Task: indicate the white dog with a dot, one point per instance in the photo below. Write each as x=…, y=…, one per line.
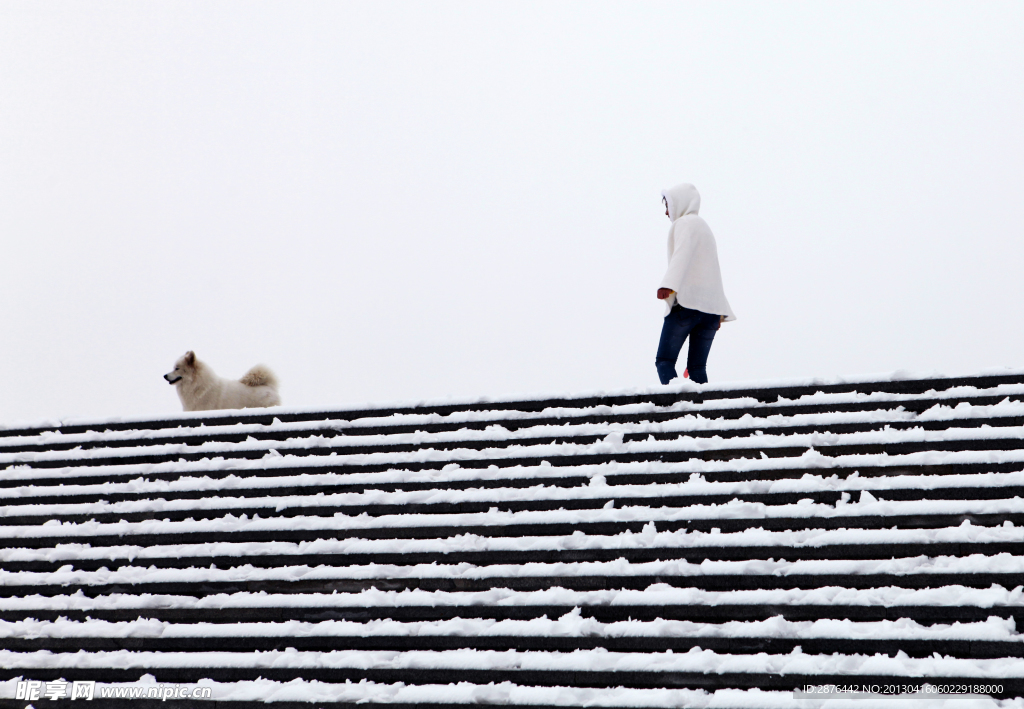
x=201, y=390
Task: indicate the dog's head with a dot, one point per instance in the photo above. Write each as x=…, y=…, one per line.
x=184, y=368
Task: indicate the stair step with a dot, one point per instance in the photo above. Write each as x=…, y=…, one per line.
x=952, y=648
x=701, y=669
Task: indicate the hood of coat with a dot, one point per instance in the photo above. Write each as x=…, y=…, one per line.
x=682, y=200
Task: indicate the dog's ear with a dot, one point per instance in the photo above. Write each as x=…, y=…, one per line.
x=190, y=358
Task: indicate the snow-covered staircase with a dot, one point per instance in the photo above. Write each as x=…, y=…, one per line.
x=721, y=546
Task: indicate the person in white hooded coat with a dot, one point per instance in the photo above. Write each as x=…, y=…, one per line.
x=695, y=300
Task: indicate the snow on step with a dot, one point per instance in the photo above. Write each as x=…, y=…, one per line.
x=994, y=597
x=754, y=571
x=517, y=444
x=869, y=530
x=580, y=661
x=648, y=538
x=807, y=514
x=572, y=624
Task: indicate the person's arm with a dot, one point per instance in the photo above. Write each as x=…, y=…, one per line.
x=681, y=246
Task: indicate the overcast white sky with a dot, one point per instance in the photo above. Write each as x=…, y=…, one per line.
x=415, y=200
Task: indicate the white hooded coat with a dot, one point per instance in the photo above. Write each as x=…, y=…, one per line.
x=693, y=270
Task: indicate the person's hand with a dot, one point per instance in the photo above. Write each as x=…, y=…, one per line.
x=721, y=319
x=664, y=293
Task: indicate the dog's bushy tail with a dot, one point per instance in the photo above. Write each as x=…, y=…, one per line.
x=260, y=375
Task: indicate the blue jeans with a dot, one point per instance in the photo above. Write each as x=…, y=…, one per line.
x=680, y=324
